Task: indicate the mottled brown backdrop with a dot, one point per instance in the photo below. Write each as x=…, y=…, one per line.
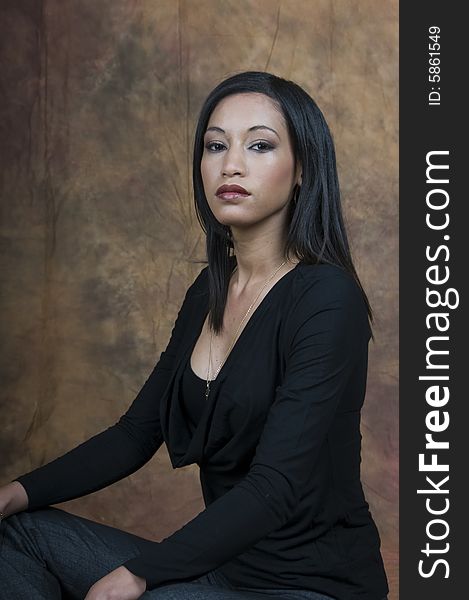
x=98, y=107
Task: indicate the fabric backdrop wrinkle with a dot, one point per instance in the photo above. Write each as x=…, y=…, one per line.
x=99, y=236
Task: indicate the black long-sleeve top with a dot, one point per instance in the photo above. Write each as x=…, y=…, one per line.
x=278, y=445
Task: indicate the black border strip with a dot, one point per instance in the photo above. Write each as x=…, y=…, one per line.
x=433, y=271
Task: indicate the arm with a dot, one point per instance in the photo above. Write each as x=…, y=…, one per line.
x=325, y=329
x=115, y=452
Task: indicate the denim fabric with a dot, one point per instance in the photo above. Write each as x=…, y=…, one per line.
x=50, y=554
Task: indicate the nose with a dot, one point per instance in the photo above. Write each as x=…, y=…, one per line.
x=233, y=162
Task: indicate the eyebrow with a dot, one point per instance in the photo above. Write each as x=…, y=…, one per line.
x=253, y=128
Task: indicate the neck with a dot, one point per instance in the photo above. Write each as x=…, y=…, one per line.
x=257, y=259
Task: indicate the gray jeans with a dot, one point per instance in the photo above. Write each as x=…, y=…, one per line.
x=50, y=554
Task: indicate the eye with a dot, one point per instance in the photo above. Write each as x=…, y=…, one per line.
x=266, y=146
x=209, y=146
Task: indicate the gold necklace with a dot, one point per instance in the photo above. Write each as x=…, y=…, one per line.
x=207, y=390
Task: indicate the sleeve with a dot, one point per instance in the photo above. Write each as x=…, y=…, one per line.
x=119, y=450
x=324, y=329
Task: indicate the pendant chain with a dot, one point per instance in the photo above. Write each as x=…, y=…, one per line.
x=207, y=390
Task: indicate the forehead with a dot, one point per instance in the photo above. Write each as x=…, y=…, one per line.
x=246, y=109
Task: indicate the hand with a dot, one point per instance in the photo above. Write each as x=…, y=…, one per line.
x=119, y=584
x=13, y=498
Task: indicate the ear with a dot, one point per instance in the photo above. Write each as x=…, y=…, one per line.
x=298, y=175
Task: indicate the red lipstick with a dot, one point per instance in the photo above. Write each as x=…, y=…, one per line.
x=228, y=192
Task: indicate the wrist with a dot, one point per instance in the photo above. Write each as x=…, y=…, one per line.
x=139, y=582
x=16, y=499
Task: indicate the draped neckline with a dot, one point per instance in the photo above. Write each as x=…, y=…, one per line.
x=245, y=331
x=187, y=445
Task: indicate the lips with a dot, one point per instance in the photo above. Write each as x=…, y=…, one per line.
x=231, y=190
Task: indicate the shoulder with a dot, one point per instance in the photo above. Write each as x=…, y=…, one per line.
x=326, y=296
x=318, y=284
x=193, y=295
x=199, y=285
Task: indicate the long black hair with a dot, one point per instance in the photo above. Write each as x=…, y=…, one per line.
x=316, y=232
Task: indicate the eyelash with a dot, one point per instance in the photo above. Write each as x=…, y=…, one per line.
x=268, y=146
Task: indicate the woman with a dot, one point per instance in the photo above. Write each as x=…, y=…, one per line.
x=261, y=385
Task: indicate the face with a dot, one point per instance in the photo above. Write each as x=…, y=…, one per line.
x=246, y=143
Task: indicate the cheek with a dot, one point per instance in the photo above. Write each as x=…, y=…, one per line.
x=203, y=169
x=279, y=175
x=205, y=181
x=286, y=165
x=206, y=171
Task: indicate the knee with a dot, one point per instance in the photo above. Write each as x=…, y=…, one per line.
x=26, y=519
x=30, y=515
